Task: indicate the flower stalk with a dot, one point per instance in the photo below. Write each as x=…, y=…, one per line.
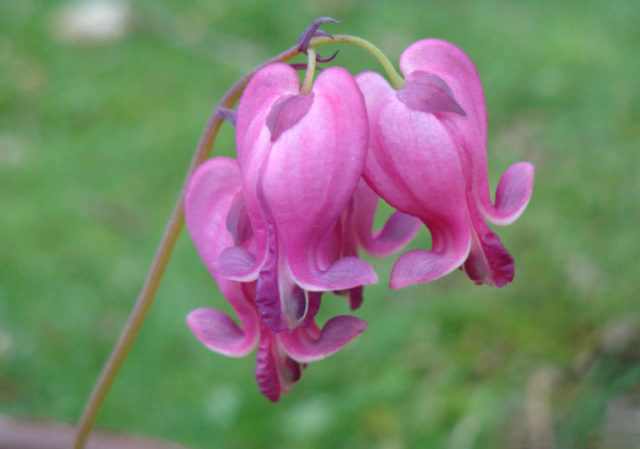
x=161, y=258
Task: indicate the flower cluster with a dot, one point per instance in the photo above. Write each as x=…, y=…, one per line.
x=284, y=222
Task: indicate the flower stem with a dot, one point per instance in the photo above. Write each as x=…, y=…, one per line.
x=307, y=84
x=396, y=79
x=161, y=259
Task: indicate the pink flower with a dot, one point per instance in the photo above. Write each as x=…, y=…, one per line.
x=427, y=158
x=301, y=158
x=216, y=219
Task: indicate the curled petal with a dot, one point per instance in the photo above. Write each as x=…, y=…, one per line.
x=512, y=195
x=221, y=334
x=345, y=273
x=307, y=344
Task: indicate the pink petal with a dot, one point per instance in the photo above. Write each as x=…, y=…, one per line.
x=308, y=344
x=413, y=267
x=457, y=70
x=221, y=334
x=345, y=273
x=253, y=144
x=210, y=194
x=237, y=264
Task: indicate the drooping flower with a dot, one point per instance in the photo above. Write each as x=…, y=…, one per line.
x=217, y=219
x=427, y=158
x=301, y=158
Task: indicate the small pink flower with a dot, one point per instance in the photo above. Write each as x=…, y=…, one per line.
x=427, y=158
x=216, y=220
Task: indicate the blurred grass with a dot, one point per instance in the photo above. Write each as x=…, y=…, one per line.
x=93, y=143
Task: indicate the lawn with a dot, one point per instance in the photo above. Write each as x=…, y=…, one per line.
x=95, y=139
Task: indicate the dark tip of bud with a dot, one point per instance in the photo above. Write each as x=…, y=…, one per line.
x=311, y=31
x=427, y=92
x=228, y=115
x=286, y=112
x=329, y=59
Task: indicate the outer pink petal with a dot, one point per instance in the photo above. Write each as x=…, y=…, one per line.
x=307, y=344
x=310, y=177
x=253, y=144
x=211, y=192
x=414, y=165
x=457, y=70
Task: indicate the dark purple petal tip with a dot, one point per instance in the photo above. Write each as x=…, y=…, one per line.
x=329, y=59
x=285, y=113
x=311, y=31
x=429, y=93
x=228, y=115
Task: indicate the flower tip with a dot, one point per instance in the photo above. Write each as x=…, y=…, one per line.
x=312, y=31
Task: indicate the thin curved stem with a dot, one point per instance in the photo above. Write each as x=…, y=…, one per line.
x=307, y=84
x=396, y=79
x=161, y=259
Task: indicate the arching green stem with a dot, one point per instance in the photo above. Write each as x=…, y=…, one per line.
x=396, y=79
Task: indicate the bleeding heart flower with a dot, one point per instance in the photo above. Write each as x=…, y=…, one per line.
x=216, y=218
x=427, y=158
x=301, y=156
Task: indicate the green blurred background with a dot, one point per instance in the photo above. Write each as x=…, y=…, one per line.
x=95, y=138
